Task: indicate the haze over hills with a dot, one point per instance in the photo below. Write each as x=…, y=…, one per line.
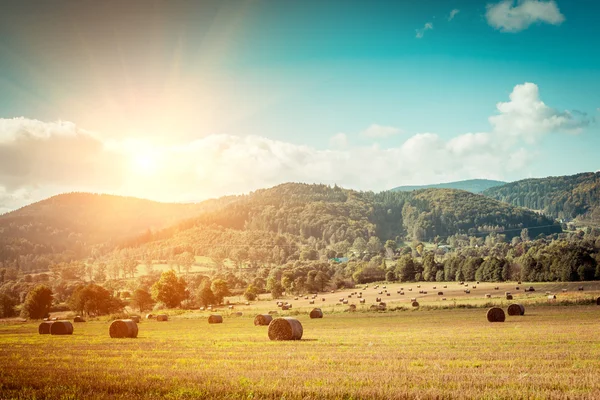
x=573, y=196
x=470, y=185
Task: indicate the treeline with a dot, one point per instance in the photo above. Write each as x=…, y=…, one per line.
x=563, y=197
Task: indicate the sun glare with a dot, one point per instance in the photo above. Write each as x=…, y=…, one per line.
x=145, y=163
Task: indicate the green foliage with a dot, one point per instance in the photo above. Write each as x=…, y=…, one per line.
x=94, y=300
x=205, y=295
x=142, y=300
x=251, y=293
x=220, y=289
x=7, y=306
x=169, y=289
x=37, y=303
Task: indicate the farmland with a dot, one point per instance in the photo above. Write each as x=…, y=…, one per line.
x=552, y=351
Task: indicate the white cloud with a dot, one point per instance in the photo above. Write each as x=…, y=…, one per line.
x=380, y=132
x=526, y=116
x=453, y=14
x=338, y=141
x=39, y=159
x=510, y=18
x=421, y=32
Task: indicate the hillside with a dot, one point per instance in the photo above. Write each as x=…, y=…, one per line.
x=282, y=222
x=563, y=197
x=74, y=223
x=471, y=185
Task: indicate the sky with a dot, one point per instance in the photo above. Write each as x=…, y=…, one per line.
x=183, y=101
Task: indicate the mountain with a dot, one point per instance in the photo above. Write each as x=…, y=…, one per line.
x=282, y=223
x=564, y=197
x=76, y=222
x=470, y=185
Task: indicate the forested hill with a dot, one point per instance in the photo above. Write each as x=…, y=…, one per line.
x=319, y=217
x=558, y=196
x=471, y=185
x=75, y=222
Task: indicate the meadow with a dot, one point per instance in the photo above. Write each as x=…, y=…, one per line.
x=551, y=352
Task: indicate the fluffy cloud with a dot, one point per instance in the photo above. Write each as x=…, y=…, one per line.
x=380, y=132
x=453, y=14
x=421, y=32
x=526, y=116
x=39, y=159
x=510, y=18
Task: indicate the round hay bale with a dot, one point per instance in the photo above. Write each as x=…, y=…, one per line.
x=215, y=319
x=401, y=293
x=123, y=328
x=496, y=314
x=162, y=317
x=388, y=294
x=374, y=307
x=311, y=302
x=467, y=291
x=488, y=296
x=78, y=319
x=410, y=289
x=440, y=293
x=516, y=309
x=149, y=316
x=377, y=299
x=44, y=328
x=415, y=304
x=598, y=301
x=345, y=302
x=237, y=314
x=445, y=286
x=285, y=329
x=61, y=328
x=317, y=313
x=552, y=297
x=352, y=307
x=496, y=287
x=564, y=290
x=580, y=288
x=363, y=301
x=262, y=320
x=322, y=298
x=509, y=297
x=135, y=318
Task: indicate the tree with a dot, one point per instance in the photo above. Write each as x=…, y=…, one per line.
x=7, y=306
x=251, y=293
x=220, y=289
x=321, y=280
x=406, y=268
x=374, y=244
x=205, y=295
x=37, y=303
x=390, y=276
x=94, y=299
x=149, y=264
x=525, y=234
x=359, y=245
x=169, y=289
x=142, y=300
x=186, y=259
x=390, y=247
x=276, y=290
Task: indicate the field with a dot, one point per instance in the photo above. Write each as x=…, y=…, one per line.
x=553, y=351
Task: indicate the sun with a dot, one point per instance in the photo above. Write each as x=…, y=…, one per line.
x=145, y=163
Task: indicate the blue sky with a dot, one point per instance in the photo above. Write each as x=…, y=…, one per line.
x=212, y=98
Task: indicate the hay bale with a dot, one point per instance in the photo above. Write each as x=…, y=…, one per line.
x=295, y=298
x=311, y=302
x=135, y=318
x=488, y=296
x=467, y=291
x=374, y=307
x=580, y=288
x=322, y=298
x=552, y=297
x=317, y=313
x=413, y=299
x=149, y=316
x=123, y=328
x=445, y=286
x=531, y=289
x=262, y=320
x=215, y=319
x=285, y=329
x=78, y=319
x=285, y=307
x=564, y=290
x=363, y=301
x=496, y=314
x=162, y=317
x=509, y=297
x=378, y=299
x=345, y=302
x=61, y=328
x=496, y=287
x=517, y=288
x=415, y=304
x=401, y=293
x=388, y=294
x=237, y=314
x=440, y=293
x=410, y=289
x=598, y=301
x=352, y=307
x=516, y=309
x=44, y=328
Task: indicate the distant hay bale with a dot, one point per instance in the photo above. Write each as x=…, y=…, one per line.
x=61, y=328
x=440, y=293
x=467, y=291
x=435, y=287
x=322, y=298
x=552, y=297
x=598, y=301
x=516, y=309
x=509, y=297
x=443, y=298
x=78, y=319
x=401, y=293
x=531, y=289
x=352, y=307
x=564, y=290
x=474, y=287
x=425, y=292
x=377, y=299
x=215, y=319
x=363, y=301
x=519, y=282
x=381, y=306
x=445, y=286
x=317, y=313
x=478, y=282
x=44, y=328
x=285, y=329
x=149, y=316
x=398, y=291
x=517, y=288
x=410, y=289
x=496, y=288
x=295, y=298
x=162, y=317
x=273, y=312
x=388, y=294
x=580, y=288
x=488, y=296
x=345, y=302
x=496, y=314
x=230, y=307
x=123, y=328
x=418, y=286
x=135, y=318
x=285, y=307
x=237, y=314
x=262, y=320
x=415, y=304
x=311, y=302
x=374, y=307
x=413, y=299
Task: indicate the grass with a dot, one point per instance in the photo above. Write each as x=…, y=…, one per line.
x=551, y=352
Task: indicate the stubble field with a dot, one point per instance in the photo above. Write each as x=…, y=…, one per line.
x=552, y=352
